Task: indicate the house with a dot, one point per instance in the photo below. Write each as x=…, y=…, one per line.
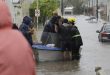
x=19, y=9
x=68, y=11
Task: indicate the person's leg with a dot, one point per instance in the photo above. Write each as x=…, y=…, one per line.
x=63, y=46
x=77, y=53
x=72, y=50
x=73, y=54
x=67, y=52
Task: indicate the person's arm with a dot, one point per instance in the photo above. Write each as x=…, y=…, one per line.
x=24, y=29
x=56, y=28
x=31, y=30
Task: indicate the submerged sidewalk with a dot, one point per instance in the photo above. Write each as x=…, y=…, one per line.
x=37, y=34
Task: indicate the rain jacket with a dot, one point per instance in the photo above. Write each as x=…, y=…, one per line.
x=24, y=28
x=76, y=36
x=50, y=27
x=16, y=57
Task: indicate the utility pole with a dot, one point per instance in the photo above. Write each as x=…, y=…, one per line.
x=97, y=10
x=62, y=7
x=37, y=16
x=108, y=10
x=89, y=7
x=92, y=7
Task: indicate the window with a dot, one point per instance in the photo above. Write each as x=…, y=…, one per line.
x=68, y=13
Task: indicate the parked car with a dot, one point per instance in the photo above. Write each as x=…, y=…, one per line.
x=104, y=33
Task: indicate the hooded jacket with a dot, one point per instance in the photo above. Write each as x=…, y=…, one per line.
x=16, y=57
x=24, y=28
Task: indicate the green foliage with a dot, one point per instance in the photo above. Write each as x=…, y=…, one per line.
x=46, y=8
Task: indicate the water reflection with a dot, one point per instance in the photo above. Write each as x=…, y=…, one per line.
x=59, y=66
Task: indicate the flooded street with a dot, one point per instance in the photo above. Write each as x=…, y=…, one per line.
x=94, y=53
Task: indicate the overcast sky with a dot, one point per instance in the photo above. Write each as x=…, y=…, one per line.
x=15, y=0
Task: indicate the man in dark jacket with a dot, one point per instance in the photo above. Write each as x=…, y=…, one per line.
x=25, y=28
x=50, y=27
x=64, y=39
x=76, y=40
x=49, y=34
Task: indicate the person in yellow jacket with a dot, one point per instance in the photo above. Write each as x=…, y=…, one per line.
x=76, y=40
x=71, y=19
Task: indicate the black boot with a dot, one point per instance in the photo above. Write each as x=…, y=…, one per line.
x=77, y=57
x=73, y=57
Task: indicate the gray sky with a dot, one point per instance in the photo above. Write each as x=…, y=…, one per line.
x=15, y=0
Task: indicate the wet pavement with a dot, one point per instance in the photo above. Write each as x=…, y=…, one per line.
x=94, y=53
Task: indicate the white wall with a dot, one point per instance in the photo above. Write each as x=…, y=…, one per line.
x=10, y=5
x=18, y=13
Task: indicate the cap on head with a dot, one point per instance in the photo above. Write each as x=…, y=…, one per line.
x=65, y=20
x=71, y=19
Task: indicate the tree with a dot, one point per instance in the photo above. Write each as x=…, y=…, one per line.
x=46, y=8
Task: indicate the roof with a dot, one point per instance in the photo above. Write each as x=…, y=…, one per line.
x=69, y=8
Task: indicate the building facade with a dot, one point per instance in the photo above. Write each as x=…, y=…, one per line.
x=11, y=8
x=18, y=9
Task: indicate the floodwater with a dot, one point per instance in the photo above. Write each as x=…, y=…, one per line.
x=94, y=53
